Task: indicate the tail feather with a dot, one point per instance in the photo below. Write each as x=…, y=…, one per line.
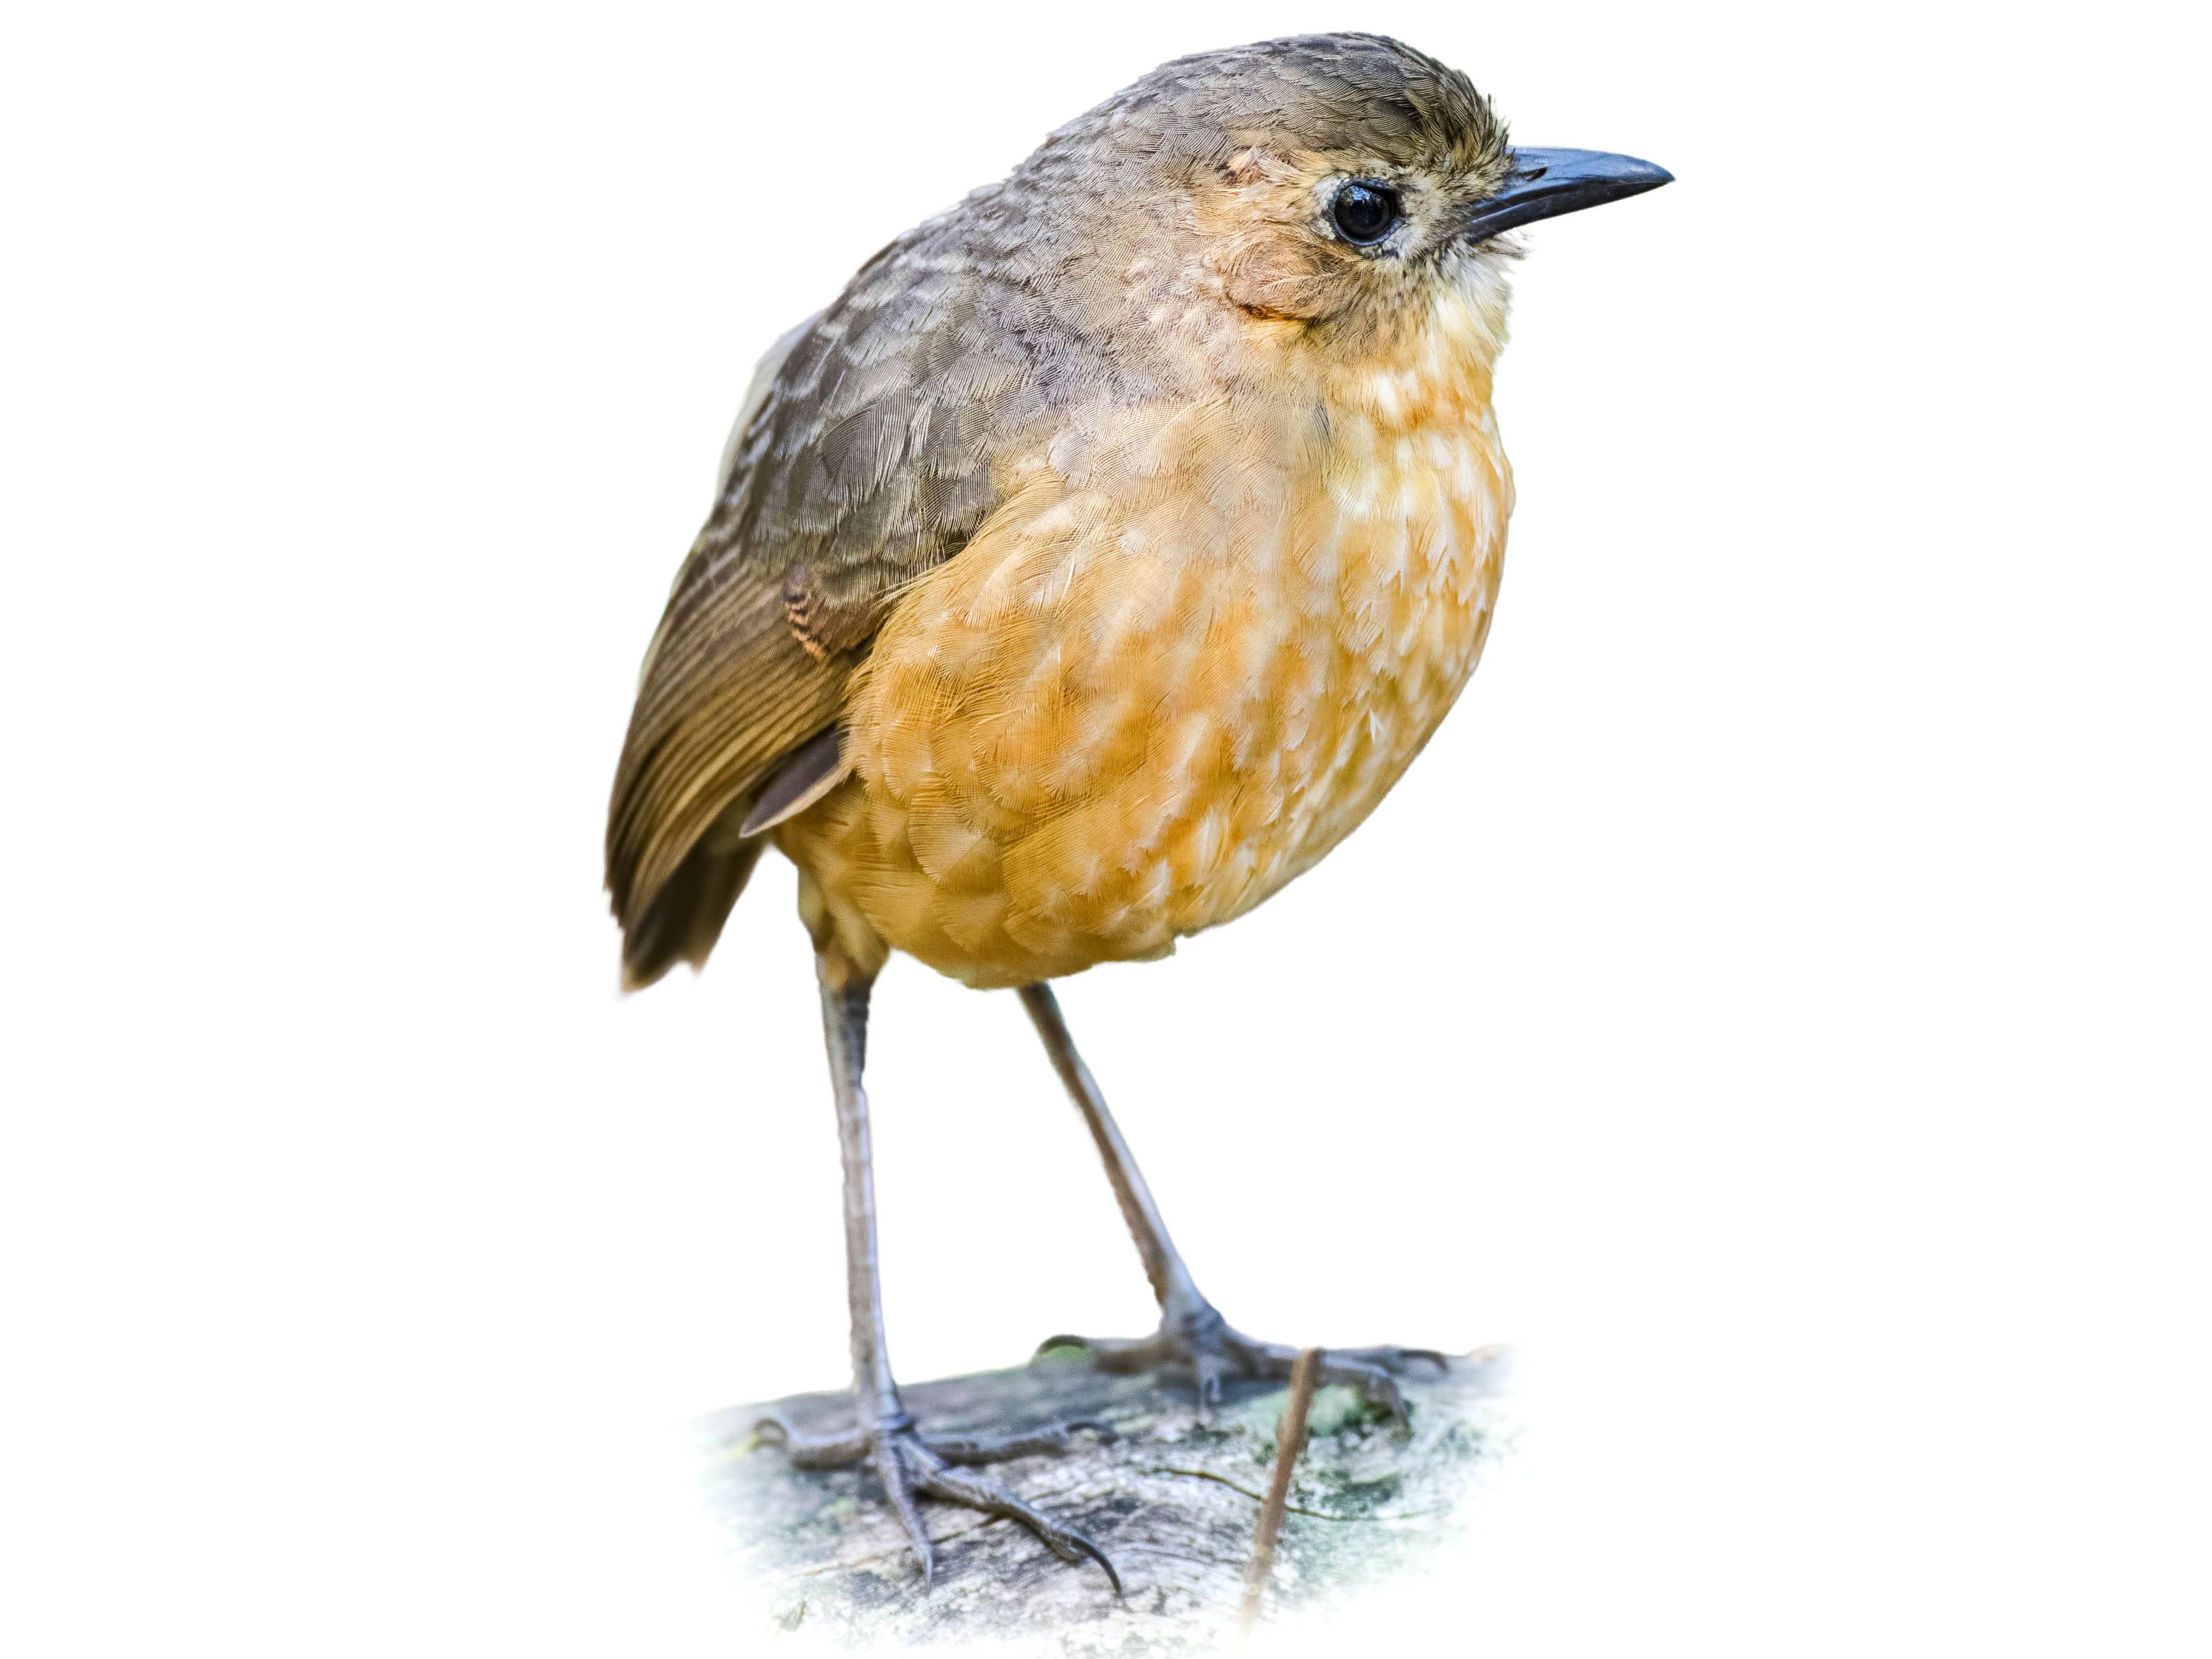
x=685, y=917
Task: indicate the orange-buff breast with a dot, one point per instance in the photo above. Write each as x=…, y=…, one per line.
x=1184, y=659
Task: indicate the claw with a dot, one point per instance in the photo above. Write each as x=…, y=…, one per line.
x=1206, y=1362
x=1099, y=1556
x=898, y=1486
x=993, y=1499
x=907, y=1462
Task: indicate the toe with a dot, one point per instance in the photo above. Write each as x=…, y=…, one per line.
x=1207, y=1363
x=994, y=1499
x=998, y=1449
x=1391, y=1359
x=1374, y=1383
x=811, y=1451
x=1268, y=1362
x=898, y=1482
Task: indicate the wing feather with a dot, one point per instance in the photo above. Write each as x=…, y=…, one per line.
x=863, y=457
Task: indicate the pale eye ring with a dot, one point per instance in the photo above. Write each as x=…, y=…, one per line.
x=1365, y=211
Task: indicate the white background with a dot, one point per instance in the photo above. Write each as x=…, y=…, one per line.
x=1776, y=1002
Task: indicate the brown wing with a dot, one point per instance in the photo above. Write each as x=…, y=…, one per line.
x=867, y=460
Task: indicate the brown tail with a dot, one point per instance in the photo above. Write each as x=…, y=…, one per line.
x=685, y=918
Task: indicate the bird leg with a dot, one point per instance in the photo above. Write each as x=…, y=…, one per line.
x=910, y=1464
x=1191, y=1331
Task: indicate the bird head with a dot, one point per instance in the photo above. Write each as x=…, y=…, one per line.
x=1329, y=192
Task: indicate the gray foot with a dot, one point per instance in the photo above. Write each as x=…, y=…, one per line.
x=1213, y=1348
x=913, y=1465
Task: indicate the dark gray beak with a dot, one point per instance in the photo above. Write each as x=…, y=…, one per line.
x=1546, y=183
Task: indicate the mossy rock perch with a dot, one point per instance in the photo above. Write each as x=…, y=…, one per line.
x=1172, y=1501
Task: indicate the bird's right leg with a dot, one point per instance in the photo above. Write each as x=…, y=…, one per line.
x=1192, y=1330
x=908, y=1463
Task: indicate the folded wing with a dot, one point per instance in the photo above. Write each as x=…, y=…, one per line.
x=863, y=457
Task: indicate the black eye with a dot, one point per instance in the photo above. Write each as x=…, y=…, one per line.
x=1364, y=212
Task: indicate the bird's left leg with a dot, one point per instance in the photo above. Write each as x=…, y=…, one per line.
x=1192, y=1330
x=910, y=1464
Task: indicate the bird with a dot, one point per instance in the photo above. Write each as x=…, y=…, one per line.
x=1084, y=572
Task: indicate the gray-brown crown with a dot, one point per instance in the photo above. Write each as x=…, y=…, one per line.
x=1355, y=93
